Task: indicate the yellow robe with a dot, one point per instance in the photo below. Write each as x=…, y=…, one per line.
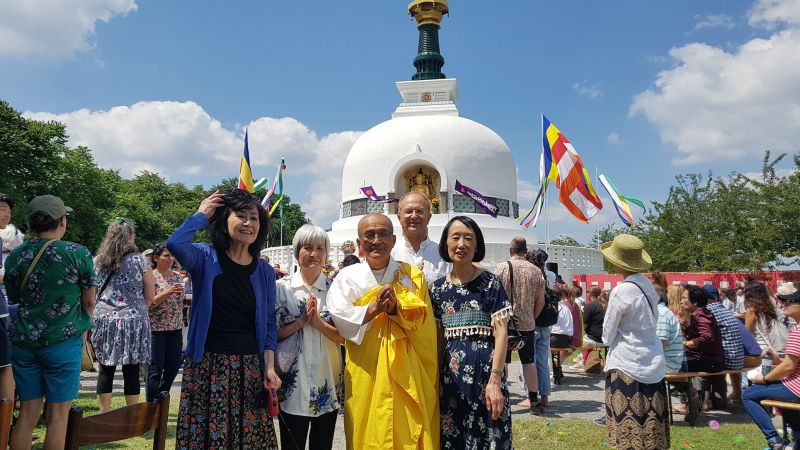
x=392, y=377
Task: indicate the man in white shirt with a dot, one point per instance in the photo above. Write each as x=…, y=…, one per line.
x=414, y=213
x=9, y=234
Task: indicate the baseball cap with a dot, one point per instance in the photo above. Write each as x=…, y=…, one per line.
x=711, y=290
x=47, y=207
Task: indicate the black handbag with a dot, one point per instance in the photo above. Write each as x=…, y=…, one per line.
x=515, y=340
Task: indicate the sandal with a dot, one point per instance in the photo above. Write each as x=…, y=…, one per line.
x=537, y=409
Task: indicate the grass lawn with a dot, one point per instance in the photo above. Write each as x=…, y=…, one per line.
x=560, y=434
x=579, y=434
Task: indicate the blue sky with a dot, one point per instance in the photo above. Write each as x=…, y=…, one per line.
x=644, y=90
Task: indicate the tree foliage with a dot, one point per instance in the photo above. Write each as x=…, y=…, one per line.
x=563, y=239
x=729, y=223
x=36, y=160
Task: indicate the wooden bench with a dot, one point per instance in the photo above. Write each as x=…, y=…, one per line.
x=791, y=406
x=686, y=377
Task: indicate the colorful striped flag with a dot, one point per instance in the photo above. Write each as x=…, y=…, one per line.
x=533, y=214
x=563, y=165
x=276, y=182
x=620, y=201
x=245, y=174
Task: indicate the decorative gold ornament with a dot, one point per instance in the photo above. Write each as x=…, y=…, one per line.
x=426, y=97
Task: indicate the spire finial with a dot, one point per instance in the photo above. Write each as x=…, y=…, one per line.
x=428, y=14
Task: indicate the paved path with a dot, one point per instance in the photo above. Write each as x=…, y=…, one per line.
x=579, y=396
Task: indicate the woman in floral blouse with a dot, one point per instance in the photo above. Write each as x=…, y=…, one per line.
x=473, y=309
x=166, y=324
x=308, y=357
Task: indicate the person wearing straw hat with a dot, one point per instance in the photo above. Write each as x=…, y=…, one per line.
x=635, y=364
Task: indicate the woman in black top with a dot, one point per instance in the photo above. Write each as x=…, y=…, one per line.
x=593, y=314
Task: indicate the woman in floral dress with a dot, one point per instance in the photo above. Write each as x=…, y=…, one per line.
x=473, y=309
x=122, y=326
x=308, y=356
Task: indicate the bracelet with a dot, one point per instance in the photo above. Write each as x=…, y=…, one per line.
x=498, y=372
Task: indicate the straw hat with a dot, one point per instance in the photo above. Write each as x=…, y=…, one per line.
x=627, y=252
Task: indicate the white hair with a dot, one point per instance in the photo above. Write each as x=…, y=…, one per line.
x=309, y=234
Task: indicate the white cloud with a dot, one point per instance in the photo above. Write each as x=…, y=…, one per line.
x=718, y=105
x=593, y=92
x=54, y=28
x=180, y=139
x=526, y=193
x=771, y=13
x=613, y=138
x=713, y=21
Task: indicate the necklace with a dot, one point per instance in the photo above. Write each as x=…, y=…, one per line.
x=468, y=279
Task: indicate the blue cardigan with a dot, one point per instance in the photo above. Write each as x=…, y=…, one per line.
x=200, y=260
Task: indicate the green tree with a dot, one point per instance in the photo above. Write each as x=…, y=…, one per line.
x=563, y=239
x=293, y=218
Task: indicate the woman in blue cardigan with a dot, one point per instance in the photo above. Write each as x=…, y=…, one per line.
x=228, y=364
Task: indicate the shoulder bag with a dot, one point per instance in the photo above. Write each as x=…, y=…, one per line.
x=515, y=339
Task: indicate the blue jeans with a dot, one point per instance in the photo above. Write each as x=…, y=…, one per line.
x=542, y=358
x=773, y=391
x=165, y=361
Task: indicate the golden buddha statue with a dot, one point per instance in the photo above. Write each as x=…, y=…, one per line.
x=420, y=186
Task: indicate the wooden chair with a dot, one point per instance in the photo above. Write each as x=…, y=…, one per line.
x=6, y=411
x=119, y=424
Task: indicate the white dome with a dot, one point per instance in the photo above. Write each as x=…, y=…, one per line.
x=452, y=145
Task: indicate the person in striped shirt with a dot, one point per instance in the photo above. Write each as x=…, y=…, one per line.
x=782, y=383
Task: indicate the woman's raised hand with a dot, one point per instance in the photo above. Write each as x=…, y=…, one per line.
x=211, y=203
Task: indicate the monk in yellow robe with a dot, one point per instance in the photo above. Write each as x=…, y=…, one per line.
x=382, y=308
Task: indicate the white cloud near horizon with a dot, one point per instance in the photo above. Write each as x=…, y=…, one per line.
x=180, y=139
x=613, y=138
x=54, y=28
x=718, y=105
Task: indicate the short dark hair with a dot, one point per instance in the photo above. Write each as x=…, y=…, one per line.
x=158, y=249
x=41, y=222
x=237, y=200
x=5, y=198
x=349, y=260
x=519, y=245
x=697, y=295
x=480, y=245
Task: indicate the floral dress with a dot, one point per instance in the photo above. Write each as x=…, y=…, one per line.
x=308, y=363
x=122, y=324
x=466, y=312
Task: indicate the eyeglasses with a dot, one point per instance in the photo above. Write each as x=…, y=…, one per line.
x=786, y=305
x=381, y=235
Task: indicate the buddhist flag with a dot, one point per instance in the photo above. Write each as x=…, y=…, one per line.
x=563, y=165
x=620, y=201
x=245, y=174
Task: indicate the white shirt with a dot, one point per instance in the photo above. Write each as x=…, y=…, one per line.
x=629, y=331
x=564, y=323
x=318, y=367
x=11, y=238
x=349, y=286
x=434, y=267
x=551, y=278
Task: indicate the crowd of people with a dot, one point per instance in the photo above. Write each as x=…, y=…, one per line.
x=412, y=344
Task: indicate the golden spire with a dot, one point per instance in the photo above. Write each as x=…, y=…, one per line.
x=428, y=12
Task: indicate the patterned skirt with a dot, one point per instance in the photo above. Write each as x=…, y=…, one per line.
x=220, y=405
x=636, y=413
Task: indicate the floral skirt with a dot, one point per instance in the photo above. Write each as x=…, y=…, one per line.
x=636, y=413
x=220, y=406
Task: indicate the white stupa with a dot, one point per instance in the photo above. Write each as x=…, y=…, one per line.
x=426, y=146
